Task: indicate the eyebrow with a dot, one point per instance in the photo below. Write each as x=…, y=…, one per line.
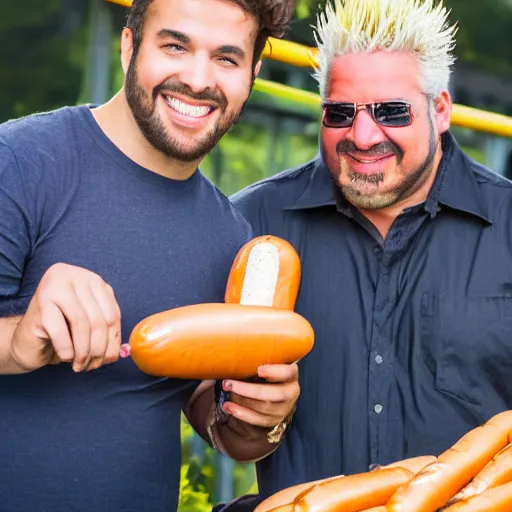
x=183, y=38
x=233, y=50
x=175, y=34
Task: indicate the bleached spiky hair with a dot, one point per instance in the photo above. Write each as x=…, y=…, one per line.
x=415, y=26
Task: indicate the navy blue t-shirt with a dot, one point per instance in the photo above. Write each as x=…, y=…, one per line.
x=107, y=440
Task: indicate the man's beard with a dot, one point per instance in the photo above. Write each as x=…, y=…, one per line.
x=153, y=128
x=374, y=201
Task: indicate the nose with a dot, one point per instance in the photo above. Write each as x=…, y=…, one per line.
x=198, y=73
x=365, y=132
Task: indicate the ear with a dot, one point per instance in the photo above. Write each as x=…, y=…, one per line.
x=443, y=111
x=126, y=48
x=257, y=68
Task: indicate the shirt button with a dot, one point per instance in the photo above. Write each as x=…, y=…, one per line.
x=377, y=249
x=378, y=408
x=378, y=359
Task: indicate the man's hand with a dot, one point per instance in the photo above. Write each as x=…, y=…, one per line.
x=264, y=404
x=72, y=317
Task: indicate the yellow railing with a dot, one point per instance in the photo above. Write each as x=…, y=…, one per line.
x=303, y=56
x=463, y=116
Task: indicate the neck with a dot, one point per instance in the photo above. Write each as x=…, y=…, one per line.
x=116, y=120
x=383, y=218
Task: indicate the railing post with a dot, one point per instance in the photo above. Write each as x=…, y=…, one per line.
x=96, y=87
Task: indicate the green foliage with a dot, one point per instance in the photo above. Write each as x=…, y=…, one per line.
x=42, y=59
x=192, y=499
x=250, y=153
x=303, y=9
x=484, y=33
x=198, y=475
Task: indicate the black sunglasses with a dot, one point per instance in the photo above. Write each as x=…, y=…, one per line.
x=393, y=114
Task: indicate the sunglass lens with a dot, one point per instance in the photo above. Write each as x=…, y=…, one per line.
x=392, y=114
x=339, y=116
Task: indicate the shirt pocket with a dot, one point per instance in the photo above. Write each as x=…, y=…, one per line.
x=467, y=343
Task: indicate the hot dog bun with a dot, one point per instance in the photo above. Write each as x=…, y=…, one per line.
x=439, y=482
x=289, y=495
x=286, y=496
x=218, y=341
x=353, y=493
x=266, y=272
x=497, y=499
x=414, y=464
x=497, y=472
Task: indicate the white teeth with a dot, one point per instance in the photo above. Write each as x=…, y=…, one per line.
x=186, y=109
x=366, y=161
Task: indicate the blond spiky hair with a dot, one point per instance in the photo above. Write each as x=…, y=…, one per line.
x=415, y=26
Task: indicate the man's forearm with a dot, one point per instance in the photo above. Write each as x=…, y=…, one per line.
x=236, y=439
x=241, y=441
x=8, y=364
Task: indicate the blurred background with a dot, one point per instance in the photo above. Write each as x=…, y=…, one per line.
x=64, y=52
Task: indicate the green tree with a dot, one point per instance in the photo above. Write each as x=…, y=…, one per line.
x=41, y=62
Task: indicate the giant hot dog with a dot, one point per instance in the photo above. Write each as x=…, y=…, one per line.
x=437, y=483
x=217, y=341
x=256, y=325
x=266, y=272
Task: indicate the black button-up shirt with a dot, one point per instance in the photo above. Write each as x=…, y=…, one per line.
x=413, y=333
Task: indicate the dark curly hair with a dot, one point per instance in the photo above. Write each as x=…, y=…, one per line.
x=273, y=17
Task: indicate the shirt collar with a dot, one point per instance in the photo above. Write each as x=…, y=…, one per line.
x=320, y=189
x=455, y=186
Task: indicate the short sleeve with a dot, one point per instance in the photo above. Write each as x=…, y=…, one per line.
x=15, y=239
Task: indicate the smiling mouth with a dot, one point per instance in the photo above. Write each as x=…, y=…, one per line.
x=369, y=161
x=186, y=109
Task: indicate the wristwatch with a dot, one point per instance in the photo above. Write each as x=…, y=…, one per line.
x=276, y=434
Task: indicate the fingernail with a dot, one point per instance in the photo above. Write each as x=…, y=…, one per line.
x=227, y=386
x=125, y=350
x=262, y=371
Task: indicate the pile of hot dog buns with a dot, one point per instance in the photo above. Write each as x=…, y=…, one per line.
x=474, y=475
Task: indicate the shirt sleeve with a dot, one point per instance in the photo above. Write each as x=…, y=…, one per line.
x=15, y=233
